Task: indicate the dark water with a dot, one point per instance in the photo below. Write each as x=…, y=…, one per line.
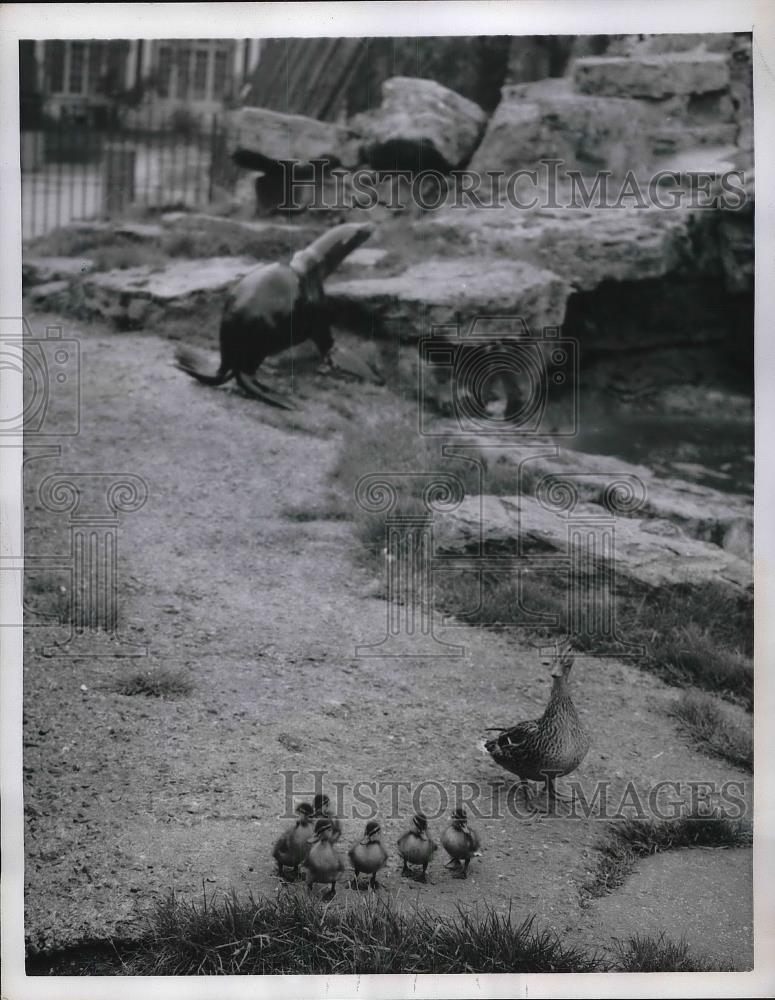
x=716, y=453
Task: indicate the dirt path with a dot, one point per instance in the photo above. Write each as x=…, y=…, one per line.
x=130, y=796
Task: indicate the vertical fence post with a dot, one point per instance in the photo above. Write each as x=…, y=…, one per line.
x=118, y=178
x=211, y=172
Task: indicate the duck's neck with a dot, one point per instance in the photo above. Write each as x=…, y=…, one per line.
x=560, y=693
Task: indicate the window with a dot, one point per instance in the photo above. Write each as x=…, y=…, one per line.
x=184, y=63
x=55, y=66
x=165, y=70
x=77, y=60
x=219, y=76
x=96, y=55
x=201, y=60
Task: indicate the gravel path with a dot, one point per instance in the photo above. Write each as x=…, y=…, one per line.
x=127, y=797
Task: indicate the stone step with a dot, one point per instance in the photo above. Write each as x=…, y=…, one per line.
x=42, y=270
x=701, y=512
x=451, y=291
x=584, y=246
x=650, y=551
x=267, y=239
x=549, y=119
x=652, y=75
x=139, y=296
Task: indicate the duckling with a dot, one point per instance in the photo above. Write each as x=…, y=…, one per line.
x=292, y=847
x=323, y=864
x=416, y=846
x=322, y=810
x=460, y=842
x=546, y=748
x=369, y=855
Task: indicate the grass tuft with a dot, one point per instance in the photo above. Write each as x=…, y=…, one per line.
x=296, y=933
x=631, y=839
x=155, y=684
x=713, y=730
x=648, y=954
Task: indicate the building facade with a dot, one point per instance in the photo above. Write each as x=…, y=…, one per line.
x=84, y=79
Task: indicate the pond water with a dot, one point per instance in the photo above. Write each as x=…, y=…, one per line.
x=714, y=452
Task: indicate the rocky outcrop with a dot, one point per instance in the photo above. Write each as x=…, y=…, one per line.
x=620, y=112
x=700, y=512
x=260, y=138
x=138, y=296
x=451, y=290
x=420, y=125
x=585, y=247
x=42, y=270
x=549, y=120
x=650, y=551
x=266, y=240
x=651, y=75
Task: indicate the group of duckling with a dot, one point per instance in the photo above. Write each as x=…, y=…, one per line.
x=534, y=750
x=309, y=843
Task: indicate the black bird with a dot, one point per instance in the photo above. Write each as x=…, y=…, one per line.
x=276, y=306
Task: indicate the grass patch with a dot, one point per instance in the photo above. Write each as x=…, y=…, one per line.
x=393, y=445
x=296, y=933
x=161, y=683
x=631, y=839
x=691, y=635
x=698, y=635
x=711, y=729
x=648, y=954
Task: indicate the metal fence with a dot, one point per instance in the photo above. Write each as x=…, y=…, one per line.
x=75, y=171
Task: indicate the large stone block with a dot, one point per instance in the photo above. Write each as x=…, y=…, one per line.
x=259, y=138
x=549, y=121
x=652, y=76
x=584, y=246
x=419, y=125
x=140, y=296
x=649, y=551
x=452, y=290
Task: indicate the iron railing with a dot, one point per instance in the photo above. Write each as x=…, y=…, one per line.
x=75, y=170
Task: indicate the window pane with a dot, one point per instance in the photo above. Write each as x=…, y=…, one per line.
x=165, y=68
x=184, y=61
x=96, y=53
x=219, y=76
x=200, y=75
x=75, y=82
x=55, y=66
